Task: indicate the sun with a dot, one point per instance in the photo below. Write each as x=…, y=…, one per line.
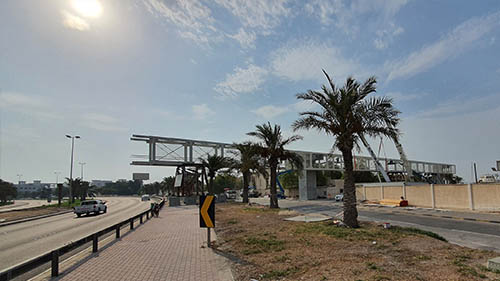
x=87, y=8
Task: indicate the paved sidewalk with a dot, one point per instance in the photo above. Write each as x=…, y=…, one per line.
x=171, y=247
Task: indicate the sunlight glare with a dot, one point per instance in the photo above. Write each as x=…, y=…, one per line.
x=87, y=8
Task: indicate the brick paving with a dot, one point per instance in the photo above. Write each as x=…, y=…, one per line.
x=171, y=247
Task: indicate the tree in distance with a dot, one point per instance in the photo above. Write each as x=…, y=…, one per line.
x=214, y=163
x=249, y=162
x=272, y=148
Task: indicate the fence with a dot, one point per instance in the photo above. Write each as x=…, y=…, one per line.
x=444, y=196
x=53, y=256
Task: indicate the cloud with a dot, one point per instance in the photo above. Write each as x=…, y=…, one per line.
x=259, y=14
x=402, y=97
x=74, y=22
x=192, y=19
x=386, y=36
x=246, y=39
x=201, y=112
x=101, y=122
x=348, y=16
x=241, y=81
x=304, y=62
x=462, y=105
x=270, y=111
x=26, y=104
x=460, y=39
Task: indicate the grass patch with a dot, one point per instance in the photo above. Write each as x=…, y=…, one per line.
x=257, y=245
x=412, y=230
x=260, y=210
x=232, y=221
x=273, y=274
x=6, y=203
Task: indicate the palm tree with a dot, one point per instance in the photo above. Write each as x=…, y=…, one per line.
x=273, y=150
x=349, y=116
x=214, y=163
x=249, y=162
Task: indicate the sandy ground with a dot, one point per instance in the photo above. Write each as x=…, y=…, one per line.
x=265, y=247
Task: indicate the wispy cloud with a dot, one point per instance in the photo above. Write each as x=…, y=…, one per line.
x=462, y=105
x=270, y=111
x=304, y=62
x=259, y=14
x=102, y=122
x=74, y=22
x=27, y=104
x=403, y=97
x=453, y=44
x=246, y=39
x=241, y=81
x=386, y=36
x=350, y=15
x=202, y=112
x=192, y=18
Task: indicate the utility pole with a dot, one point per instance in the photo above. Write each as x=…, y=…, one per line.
x=71, y=167
x=81, y=171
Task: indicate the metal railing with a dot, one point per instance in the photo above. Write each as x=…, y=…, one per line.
x=53, y=256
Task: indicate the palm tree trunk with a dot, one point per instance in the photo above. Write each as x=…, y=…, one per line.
x=245, y=187
x=350, y=211
x=211, y=186
x=274, y=198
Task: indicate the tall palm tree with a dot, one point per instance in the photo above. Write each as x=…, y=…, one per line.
x=273, y=150
x=249, y=162
x=214, y=163
x=349, y=116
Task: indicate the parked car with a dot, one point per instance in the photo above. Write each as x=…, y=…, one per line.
x=145, y=197
x=90, y=206
x=252, y=192
x=230, y=194
x=339, y=197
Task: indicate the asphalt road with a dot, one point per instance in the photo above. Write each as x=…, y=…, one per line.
x=23, y=204
x=20, y=242
x=471, y=234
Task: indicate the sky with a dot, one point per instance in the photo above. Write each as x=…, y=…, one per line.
x=212, y=70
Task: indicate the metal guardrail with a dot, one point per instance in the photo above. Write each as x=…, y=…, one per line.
x=53, y=256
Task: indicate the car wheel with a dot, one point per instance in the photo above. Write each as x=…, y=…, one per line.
x=105, y=210
x=88, y=213
x=78, y=215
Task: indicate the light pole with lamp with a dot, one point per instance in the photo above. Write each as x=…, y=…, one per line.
x=71, y=167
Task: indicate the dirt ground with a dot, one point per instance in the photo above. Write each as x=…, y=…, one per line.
x=263, y=246
x=26, y=213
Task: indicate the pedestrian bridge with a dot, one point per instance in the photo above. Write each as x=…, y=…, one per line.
x=174, y=152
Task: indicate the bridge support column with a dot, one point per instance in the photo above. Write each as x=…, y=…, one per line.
x=307, y=185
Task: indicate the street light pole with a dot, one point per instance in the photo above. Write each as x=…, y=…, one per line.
x=81, y=172
x=71, y=167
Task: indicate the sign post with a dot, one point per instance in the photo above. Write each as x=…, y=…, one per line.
x=207, y=214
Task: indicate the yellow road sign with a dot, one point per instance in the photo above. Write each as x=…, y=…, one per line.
x=207, y=211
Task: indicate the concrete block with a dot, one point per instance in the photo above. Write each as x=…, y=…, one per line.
x=494, y=264
x=190, y=200
x=174, y=201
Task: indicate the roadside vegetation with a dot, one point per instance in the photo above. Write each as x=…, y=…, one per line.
x=263, y=246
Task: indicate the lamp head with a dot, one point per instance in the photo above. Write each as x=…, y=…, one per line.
x=68, y=136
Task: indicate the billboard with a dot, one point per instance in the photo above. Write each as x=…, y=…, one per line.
x=140, y=176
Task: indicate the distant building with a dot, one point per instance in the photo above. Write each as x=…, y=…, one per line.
x=36, y=186
x=100, y=183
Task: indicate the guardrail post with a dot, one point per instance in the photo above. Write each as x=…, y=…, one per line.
x=117, y=231
x=55, y=263
x=94, y=243
x=132, y=223
x=140, y=219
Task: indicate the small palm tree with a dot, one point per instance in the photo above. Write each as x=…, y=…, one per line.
x=346, y=114
x=250, y=162
x=214, y=163
x=273, y=150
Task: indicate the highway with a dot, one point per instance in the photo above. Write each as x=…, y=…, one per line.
x=20, y=242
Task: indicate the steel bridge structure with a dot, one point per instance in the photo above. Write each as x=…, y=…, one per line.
x=175, y=152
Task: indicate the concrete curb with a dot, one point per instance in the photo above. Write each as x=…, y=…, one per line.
x=441, y=216
x=34, y=218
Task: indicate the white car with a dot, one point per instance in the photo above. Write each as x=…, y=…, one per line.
x=145, y=197
x=339, y=197
x=90, y=206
